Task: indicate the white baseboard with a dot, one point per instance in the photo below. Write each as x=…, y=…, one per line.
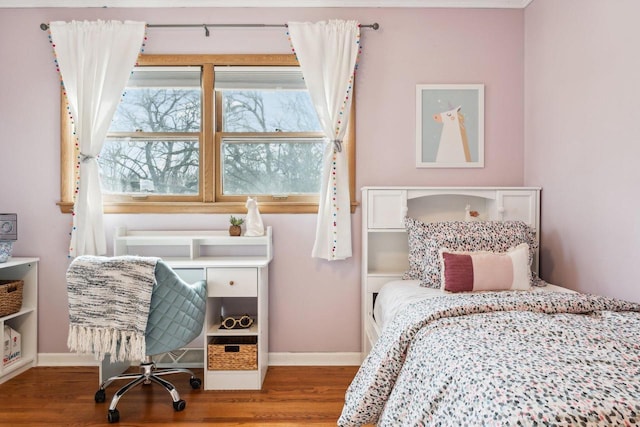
x=275, y=359
x=314, y=359
x=66, y=359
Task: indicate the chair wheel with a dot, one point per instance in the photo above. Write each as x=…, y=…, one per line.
x=179, y=405
x=113, y=416
x=100, y=396
x=196, y=383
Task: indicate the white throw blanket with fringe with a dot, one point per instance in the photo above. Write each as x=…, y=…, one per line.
x=109, y=301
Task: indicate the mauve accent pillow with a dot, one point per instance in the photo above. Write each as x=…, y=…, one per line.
x=486, y=271
x=426, y=239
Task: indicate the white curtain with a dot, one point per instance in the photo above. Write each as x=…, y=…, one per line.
x=95, y=60
x=328, y=53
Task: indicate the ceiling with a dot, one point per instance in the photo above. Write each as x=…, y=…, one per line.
x=512, y=4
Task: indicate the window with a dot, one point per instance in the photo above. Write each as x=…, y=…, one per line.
x=268, y=137
x=153, y=144
x=200, y=133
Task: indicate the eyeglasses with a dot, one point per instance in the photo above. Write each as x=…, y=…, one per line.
x=242, y=322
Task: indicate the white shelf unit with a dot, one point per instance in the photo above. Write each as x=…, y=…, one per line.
x=384, y=238
x=236, y=270
x=234, y=291
x=24, y=321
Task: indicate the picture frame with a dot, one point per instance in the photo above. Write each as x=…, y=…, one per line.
x=450, y=125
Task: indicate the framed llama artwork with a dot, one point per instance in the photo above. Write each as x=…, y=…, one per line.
x=450, y=126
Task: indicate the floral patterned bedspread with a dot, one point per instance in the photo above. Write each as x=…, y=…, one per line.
x=503, y=358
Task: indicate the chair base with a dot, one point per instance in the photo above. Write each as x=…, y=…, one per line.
x=148, y=374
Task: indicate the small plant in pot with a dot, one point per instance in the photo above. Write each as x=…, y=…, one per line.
x=235, y=229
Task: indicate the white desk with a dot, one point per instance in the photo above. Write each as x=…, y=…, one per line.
x=236, y=270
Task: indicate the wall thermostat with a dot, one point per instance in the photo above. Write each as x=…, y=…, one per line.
x=8, y=226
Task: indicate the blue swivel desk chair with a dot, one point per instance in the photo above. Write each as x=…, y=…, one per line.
x=176, y=318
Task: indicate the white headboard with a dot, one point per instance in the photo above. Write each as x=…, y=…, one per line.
x=384, y=239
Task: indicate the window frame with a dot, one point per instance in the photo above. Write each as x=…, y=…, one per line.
x=209, y=199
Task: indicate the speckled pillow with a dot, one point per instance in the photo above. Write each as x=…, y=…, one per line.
x=426, y=239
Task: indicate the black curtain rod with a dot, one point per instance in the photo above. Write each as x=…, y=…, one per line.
x=375, y=26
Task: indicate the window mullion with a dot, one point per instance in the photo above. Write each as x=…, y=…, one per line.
x=218, y=138
x=208, y=154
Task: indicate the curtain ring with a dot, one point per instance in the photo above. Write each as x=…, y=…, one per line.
x=337, y=145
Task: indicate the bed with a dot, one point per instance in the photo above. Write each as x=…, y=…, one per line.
x=440, y=353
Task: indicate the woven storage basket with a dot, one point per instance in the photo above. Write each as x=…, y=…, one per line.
x=10, y=296
x=232, y=353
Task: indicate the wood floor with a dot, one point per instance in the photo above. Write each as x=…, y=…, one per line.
x=64, y=396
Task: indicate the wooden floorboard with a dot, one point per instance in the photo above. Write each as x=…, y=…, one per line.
x=64, y=396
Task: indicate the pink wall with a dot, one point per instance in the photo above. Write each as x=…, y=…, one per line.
x=315, y=305
x=582, y=141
